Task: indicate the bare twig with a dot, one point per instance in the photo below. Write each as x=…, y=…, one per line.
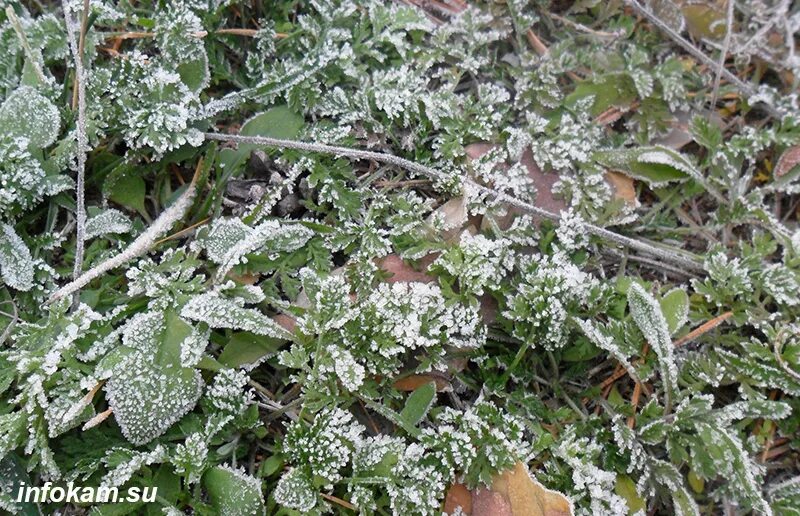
x=80, y=131
x=663, y=254
x=138, y=247
x=746, y=89
x=723, y=54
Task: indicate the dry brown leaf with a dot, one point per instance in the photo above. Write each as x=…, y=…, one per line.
x=454, y=213
x=487, y=502
x=623, y=186
x=401, y=271
x=788, y=160
x=287, y=322
x=527, y=496
x=413, y=381
x=458, y=496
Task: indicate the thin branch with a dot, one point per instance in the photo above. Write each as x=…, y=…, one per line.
x=80, y=130
x=746, y=89
x=723, y=54
x=141, y=245
x=422, y=170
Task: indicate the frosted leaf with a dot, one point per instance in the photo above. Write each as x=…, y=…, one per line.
x=224, y=234
x=294, y=490
x=107, y=221
x=147, y=398
x=606, y=343
x=233, y=492
x=648, y=316
x=141, y=332
x=27, y=114
x=16, y=264
x=271, y=236
x=228, y=394
x=350, y=372
x=219, y=312
x=125, y=470
x=193, y=347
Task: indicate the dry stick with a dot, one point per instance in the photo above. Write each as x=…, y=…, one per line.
x=422, y=170
x=726, y=44
x=703, y=328
x=141, y=245
x=81, y=47
x=83, y=145
x=742, y=86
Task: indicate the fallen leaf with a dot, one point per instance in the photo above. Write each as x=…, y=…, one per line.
x=288, y=322
x=458, y=496
x=788, y=160
x=622, y=185
x=527, y=496
x=413, y=381
x=487, y=502
x=454, y=213
x=543, y=181
x=402, y=271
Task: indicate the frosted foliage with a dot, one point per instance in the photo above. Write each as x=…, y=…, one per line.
x=219, y=312
x=590, y=481
x=648, y=316
x=606, y=343
x=225, y=233
x=416, y=315
x=294, y=490
x=23, y=182
x=190, y=457
x=147, y=398
x=123, y=472
x=548, y=287
x=16, y=263
x=270, y=236
x=234, y=492
x=480, y=262
x=326, y=445
x=227, y=394
x=107, y=222
x=27, y=114
x=193, y=347
x=349, y=372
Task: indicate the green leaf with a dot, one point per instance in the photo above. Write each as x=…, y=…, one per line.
x=675, y=306
x=276, y=122
x=616, y=89
x=246, y=348
x=656, y=166
x=194, y=73
x=28, y=114
x=626, y=488
x=418, y=404
x=125, y=186
x=233, y=493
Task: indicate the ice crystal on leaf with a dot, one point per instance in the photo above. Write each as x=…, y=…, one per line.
x=647, y=314
x=222, y=312
x=16, y=263
x=107, y=222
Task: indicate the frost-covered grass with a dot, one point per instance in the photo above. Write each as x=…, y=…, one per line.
x=518, y=235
